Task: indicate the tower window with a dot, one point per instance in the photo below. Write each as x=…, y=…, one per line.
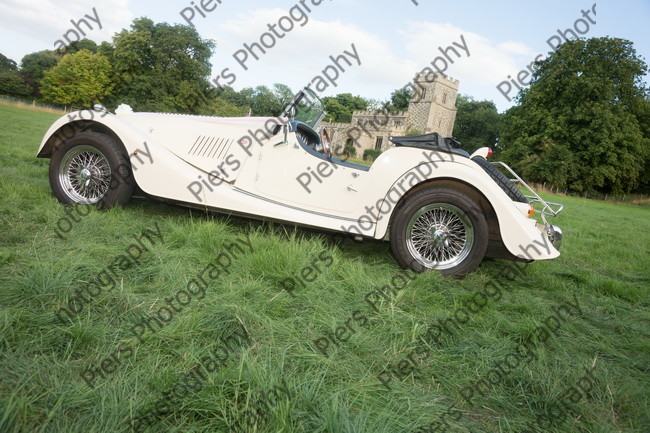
x=444, y=98
x=379, y=142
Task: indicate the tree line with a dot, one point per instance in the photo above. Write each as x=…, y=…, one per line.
x=583, y=124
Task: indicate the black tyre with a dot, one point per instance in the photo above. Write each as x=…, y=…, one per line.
x=91, y=168
x=501, y=179
x=439, y=228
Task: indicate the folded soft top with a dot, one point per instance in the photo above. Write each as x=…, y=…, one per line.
x=433, y=141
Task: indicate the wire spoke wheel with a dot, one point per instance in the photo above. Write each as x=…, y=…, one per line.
x=439, y=228
x=440, y=236
x=85, y=174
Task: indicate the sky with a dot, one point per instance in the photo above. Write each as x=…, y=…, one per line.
x=484, y=42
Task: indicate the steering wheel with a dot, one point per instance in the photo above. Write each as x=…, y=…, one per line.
x=325, y=142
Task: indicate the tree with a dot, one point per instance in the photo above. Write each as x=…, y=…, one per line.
x=6, y=64
x=341, y=106
x=36, y=64
x=644, y=121
x=261, y=100
x=83, y=44
x=33, y=67
x=11, y=83
x=264, y=102
x=218, y=106
x=160, y=67
x=106, y=49
x=582, y=124
x=284, y=94
x=477, y=123
x=335, y=111
x=230, y=95
x=400, y=99
x=375, y=104
x=79, y=79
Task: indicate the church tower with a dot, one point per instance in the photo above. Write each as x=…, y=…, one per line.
x=433, y=106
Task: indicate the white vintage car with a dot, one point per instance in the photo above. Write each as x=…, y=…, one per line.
x=439, y=207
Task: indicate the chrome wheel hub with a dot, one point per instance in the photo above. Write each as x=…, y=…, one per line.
x=85, y=174
x=440, y=236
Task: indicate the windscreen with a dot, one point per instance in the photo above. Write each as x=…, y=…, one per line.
x=309, y=108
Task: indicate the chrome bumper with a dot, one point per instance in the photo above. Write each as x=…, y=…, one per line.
x=553, y=232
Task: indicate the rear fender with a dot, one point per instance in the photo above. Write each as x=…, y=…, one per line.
x=520, y=235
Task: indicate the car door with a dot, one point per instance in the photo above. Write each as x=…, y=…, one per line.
x=296, y=175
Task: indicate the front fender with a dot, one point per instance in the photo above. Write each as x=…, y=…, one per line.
x=522, y=236
x=148, y=158
x=79, y=121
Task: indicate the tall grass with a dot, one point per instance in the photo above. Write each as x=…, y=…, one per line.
x=32, y=106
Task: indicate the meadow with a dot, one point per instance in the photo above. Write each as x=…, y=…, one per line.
x=245, y=354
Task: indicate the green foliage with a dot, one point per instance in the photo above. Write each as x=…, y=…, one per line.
x=582, y=124
x=412, y=132
x=477, y=123
x=264, y=101
x=340, y=107
x=106, y=49
x=219, y=106
x=284, y=94
x=83, y=44
x=160, y=67
x=371, y=154
x=6, y=64
x=350, y=151
x=261, y=100
x=375, y=104
x=400, y=99
x=80, y=79
x=13, y=84
x=644, y=124
x=36, y=64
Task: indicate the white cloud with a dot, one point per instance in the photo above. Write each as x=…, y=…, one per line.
x=47, y=20
x=489, y=62
x=516, y=48
x=305, y=51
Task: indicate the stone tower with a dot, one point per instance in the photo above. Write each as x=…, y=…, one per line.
x=433, y=107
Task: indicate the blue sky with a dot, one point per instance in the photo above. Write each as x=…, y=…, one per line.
x=395, y=39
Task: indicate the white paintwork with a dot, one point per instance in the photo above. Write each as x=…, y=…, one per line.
x=263, y=181
x=483, y=151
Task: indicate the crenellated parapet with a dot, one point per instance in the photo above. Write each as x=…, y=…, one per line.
x=378, y=113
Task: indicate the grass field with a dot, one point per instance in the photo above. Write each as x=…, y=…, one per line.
x=245, y=357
